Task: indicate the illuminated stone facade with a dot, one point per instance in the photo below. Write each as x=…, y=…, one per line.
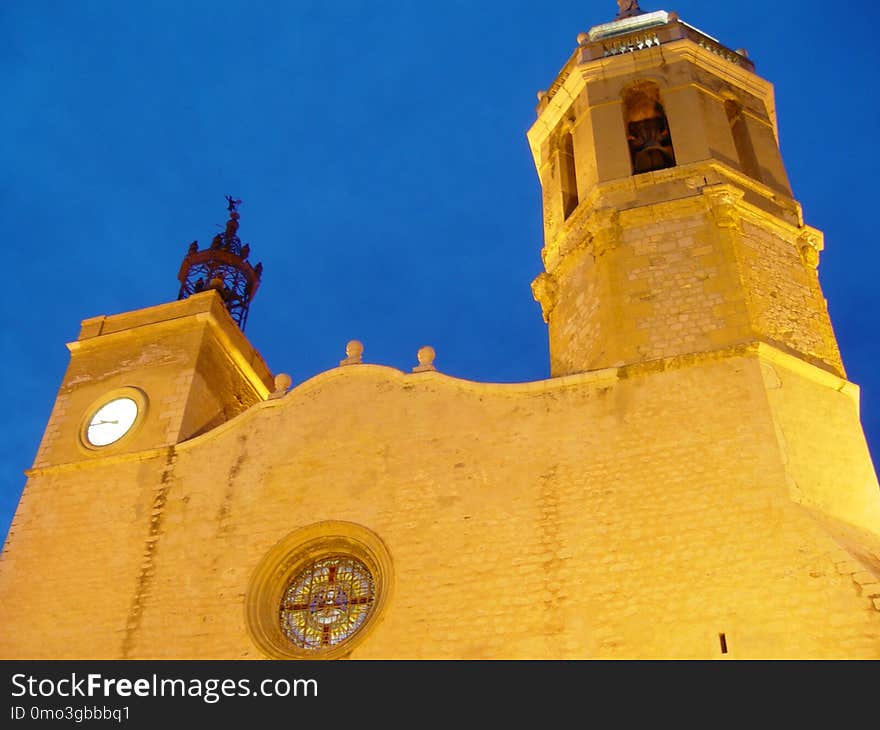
x=692, y=482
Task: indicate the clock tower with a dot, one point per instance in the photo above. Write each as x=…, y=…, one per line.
x=158, y=376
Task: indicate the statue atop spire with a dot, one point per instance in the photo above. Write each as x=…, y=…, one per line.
x=628, y=9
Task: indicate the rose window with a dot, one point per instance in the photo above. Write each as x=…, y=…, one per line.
x=327, y=602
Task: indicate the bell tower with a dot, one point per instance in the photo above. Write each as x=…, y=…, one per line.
x=669, y=222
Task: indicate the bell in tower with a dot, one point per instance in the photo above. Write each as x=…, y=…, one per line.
x=647, y=131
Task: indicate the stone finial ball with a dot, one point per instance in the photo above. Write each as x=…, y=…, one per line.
x=426, y=355
x=583, y=38
x=282, y=382
x=354, y=348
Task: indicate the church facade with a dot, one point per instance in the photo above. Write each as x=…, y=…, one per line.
x=692, y=481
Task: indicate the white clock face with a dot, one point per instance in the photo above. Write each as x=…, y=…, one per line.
x=111, y=421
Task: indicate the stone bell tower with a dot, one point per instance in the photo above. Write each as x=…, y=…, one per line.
x=669, y=223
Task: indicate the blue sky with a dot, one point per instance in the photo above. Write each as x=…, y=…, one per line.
x=379, y=150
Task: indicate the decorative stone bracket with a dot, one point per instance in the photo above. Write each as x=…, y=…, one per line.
x=546, y=293
x=723, y=201
x=810, y=243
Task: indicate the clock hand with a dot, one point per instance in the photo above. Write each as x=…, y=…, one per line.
x=99, y=423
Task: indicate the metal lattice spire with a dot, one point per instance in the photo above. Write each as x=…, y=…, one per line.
x=224, y=267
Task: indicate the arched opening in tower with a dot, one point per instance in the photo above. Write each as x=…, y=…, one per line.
x=647, y=130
